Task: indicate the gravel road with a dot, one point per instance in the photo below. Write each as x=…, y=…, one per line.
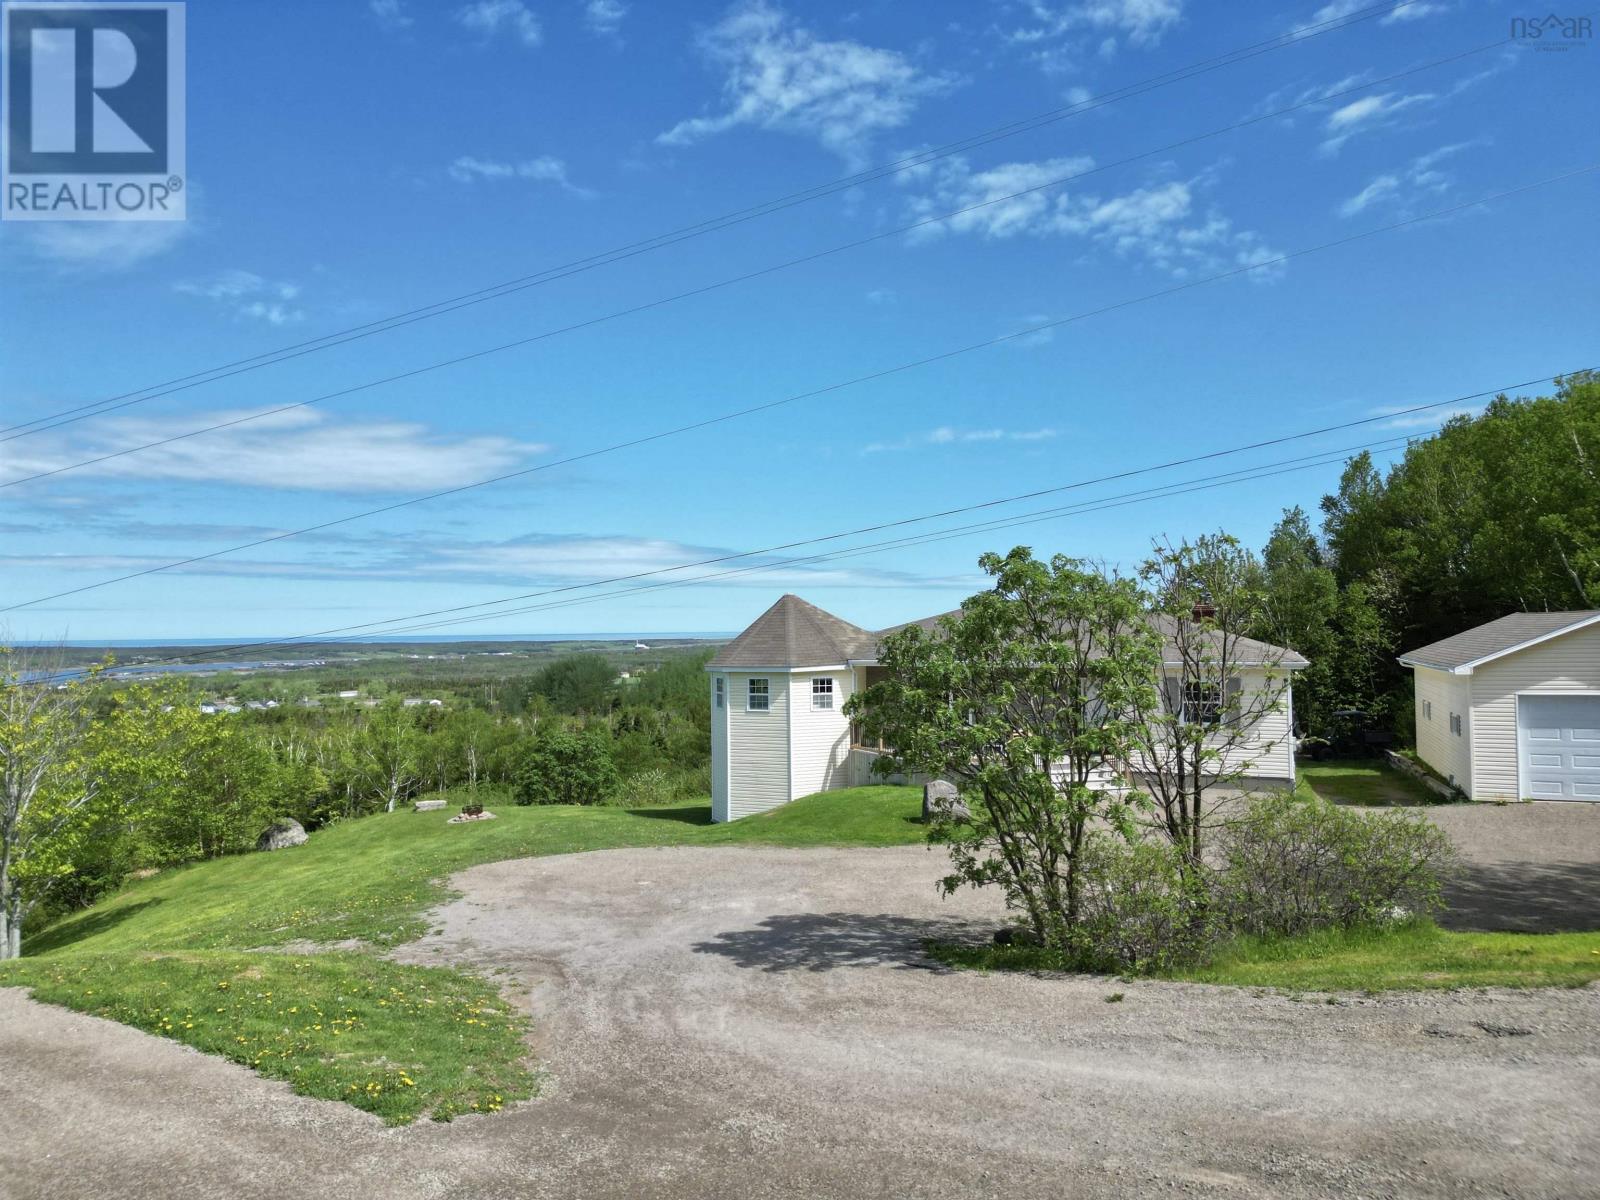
x=760, y=1022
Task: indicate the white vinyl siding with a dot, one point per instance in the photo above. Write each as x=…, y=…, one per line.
x=1269, y=753
x=1570, y=663
x=757, y=748
x=819, y=737
x=1439, y=695
x=719, y=748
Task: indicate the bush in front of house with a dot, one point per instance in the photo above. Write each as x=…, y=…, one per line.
x=567, y=766
x=1139, y=911
x=1294, y=864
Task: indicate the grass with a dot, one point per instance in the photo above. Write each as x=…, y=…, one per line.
x=1411, y=957
x=1408, y=958
x=156, y=954
x=395, y=1040
x=1366, y=783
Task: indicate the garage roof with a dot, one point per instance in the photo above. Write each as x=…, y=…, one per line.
x=1484, y=643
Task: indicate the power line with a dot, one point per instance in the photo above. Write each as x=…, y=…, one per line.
x=698, y=229
x=1203, y=483
x=816, y=392
x=1143, y=495
x=717, y=285
x=1279, y=440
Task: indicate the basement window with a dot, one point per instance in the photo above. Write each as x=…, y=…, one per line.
x=759, y=697
x=822, y=693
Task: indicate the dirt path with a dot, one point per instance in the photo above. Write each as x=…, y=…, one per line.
x=756, y=1022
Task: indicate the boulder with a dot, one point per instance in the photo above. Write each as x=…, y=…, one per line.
x=285, y=831
x=1016, y=935
x=941, y=799
x=427, y=805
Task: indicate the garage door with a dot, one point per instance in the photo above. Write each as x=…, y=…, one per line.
x=1559, y=743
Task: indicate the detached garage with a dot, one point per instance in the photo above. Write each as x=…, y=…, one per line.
x=1511, y=710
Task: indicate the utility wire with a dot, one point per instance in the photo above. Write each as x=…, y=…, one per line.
x=717, y=285
x=1279, y=440
x=825, y=390
x=698, y=229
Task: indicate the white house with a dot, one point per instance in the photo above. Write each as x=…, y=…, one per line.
x=778, y=729
x=1511, y=710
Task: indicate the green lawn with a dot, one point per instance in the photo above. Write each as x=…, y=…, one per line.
x=1369, y=783
x=157, y=954
x=1408, y=958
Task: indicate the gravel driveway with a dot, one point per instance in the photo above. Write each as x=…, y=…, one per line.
x=759, y=1022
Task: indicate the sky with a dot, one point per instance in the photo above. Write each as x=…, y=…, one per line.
x=353, y=159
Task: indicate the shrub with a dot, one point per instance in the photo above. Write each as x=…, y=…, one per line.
x=1294, y=864
x=567, y=766
x=1139, y=910
x=654, y=785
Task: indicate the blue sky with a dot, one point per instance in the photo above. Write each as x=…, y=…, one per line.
x=349, y=159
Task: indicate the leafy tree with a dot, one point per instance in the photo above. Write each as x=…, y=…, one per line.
x=1299, y=608
x=578, y=684
x=1022, y=700
x=567, y=766
x=1200, y=735
x=57, y=751
x=387, y=749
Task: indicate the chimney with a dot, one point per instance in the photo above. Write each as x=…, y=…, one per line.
x=1204, y=611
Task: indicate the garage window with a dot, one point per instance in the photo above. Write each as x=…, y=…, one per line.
x=822, y=692
x=758, y=698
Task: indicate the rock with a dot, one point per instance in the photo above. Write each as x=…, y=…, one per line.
x=1016, y=935
x=427, y=805
x=940, y=798
x=285, y=831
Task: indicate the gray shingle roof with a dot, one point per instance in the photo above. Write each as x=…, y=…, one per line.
x=794, y=633
x=1497, y=637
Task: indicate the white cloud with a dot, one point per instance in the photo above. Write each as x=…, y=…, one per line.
x=1141, y=22
x=782, y=77
x=390, y=14
x=1430, y=419
x=946, y=435
x=102, y=245
x=1366, y=114
x=604, y=16
x=490, y=18
x=1343, y=8
x=247, y=294
x=1157, y=223
x=1421, y=179
x=301, y=450
x=543, y=169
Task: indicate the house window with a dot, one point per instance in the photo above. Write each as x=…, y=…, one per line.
x=1202, y=703
x=759, y=699
x=1427, y=710
x=721, y=690
x=1455, y=724
x=822, y=693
